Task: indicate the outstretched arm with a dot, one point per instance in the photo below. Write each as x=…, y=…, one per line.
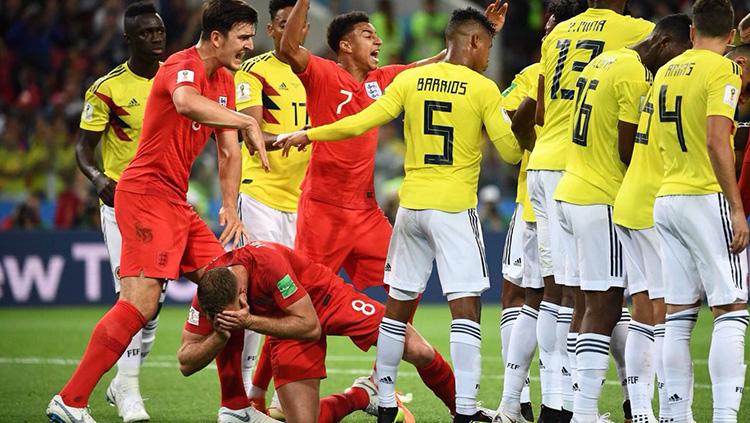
x=291, y=50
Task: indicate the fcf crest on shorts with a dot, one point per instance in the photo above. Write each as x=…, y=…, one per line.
x=373, y=90
x=223, y=100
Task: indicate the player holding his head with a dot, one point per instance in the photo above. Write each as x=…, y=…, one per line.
x=113, y=115
x=565, y=52
x=297, y=303
x=523, y=286
x=604, y=125
x=698, y=211
x=162, y=236
x=445, y=105
x=269, y=91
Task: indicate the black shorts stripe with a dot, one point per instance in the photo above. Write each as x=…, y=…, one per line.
x=509, y=238
x=734, y=260
x=474, y=222
x=615, y=249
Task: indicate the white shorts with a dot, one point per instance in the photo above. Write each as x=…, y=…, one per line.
x=642, y=253
x=598, y=253
x=513, y=249
x=453, y=240
x=532, y=277
x=264, y=223
x=695, y=233
x=541, y=186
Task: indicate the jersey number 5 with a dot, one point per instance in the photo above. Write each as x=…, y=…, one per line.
x=430, y=107
x=672, y=115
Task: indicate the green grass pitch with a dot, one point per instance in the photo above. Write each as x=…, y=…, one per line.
x=39, y=348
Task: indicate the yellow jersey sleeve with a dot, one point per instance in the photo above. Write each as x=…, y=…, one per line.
x=724, y=91
x=521, y=87
x=249, y=90
x=631, y=92
x=95, y=114
x=497, y=123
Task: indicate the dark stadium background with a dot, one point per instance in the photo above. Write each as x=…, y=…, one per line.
x=51, y=250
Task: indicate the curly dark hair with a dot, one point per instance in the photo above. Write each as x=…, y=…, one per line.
x=276, y=5
x=222, y=15
x=469, y=14
x=566, y=9
x=342, y=25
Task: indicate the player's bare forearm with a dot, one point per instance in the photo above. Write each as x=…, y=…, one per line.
x=290, y=49
x=230, y=168
x=299, y=322
x=85, y=153
x=744, y=186
x=626, y=140
x=539, y=117
x=722, y=160
x=523, y=124
x=434, y=59
x=256, y=112
x=197, y=351
x=191, y=104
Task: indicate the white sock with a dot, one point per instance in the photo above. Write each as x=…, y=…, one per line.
x=466, y=354
x=507, y=320
x=129, y=364
x=659, y=365
x=617, y=349
x=572, y=364
x=520, y=354
x=249, y=357
x=592, y=351
x=549, y=359
x=148, y=336
x=564, y=317
x=726, y=364
x=678, y=365
x=639, y=356
x=390, y=351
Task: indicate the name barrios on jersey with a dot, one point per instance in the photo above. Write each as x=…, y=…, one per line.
x=442, y=86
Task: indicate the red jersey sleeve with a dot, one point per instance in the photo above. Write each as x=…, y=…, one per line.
x=388, y=73
x=197, y=322
x=277, y=277
x=187, y=72
x=315, y=76
x=744, y=182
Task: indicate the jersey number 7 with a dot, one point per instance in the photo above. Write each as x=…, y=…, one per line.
x=430, y=107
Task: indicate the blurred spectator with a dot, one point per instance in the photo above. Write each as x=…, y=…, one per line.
x=489, y=208
x=426, y=31
x=25, y=216
x=390, y=31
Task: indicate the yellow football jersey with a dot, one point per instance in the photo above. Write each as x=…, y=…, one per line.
x=523, y=85
x=114, y=105
x=687, y=90
x=634, y=205
x=565, y=52
x=611, y=89
x=445, y=107
x=268, y=82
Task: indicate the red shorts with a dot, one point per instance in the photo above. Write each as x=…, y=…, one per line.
x=162, y=239
x=356, y=240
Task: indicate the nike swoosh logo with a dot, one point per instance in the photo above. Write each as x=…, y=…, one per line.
x=245, y=418
x=70, y=416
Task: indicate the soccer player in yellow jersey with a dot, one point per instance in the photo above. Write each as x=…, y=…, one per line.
x=698, y=211
x=446, y=105
x=603, y=128
x=268, y=90
x=113, y=115
x=565, y=52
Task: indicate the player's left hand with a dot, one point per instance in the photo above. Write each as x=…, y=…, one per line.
x=496, y=13
x=297, y=139
x=234, y=230
x=741, y=234
x=236, y=319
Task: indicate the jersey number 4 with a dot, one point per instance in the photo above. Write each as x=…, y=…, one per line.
x=672, y=115
x=430, y=107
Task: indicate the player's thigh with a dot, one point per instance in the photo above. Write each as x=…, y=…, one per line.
x=410, y=254
x=681, y=282
x=708, y=230
x=262, y=223
x=542, y=185
x=635, y=268
x=202, y=246
x=112, y=240
x=459, y=250
x=600, y=261
x=293, y=360
x=568, y=244
x=366, y=262
x=649, y=245
x=154, y=234
x=323, y=233
x=512, y=261
x=532, y=275
x=347, y=312
x=300, y=400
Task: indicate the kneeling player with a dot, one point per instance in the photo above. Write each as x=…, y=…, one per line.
x=297, y=303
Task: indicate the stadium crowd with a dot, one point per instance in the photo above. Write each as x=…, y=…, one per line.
x=51, y=51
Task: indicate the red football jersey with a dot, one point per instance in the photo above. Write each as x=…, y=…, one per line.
x=341, y=173
x=170, y=142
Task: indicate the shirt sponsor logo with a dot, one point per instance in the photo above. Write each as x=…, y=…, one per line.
x=286, y=287
x=243, y=91
x=730, y=95
x=193, y=316
x=373, y=90
x=88, y=112
x=185, y=76
x=223, y=100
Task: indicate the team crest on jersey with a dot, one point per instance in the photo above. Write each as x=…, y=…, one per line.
x=243, y=91
x=373, y=90
x=223, y=100
x=185, y=76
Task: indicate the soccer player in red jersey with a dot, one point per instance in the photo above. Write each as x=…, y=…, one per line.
x=297, y=303
x=162, y=236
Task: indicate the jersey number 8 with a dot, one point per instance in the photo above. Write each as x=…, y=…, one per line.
x=365, y=308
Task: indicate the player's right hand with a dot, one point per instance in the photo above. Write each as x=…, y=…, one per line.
x=741, y=233
x=297, y=139
x=105, y=189
x=234, y=230
x=256, y=143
